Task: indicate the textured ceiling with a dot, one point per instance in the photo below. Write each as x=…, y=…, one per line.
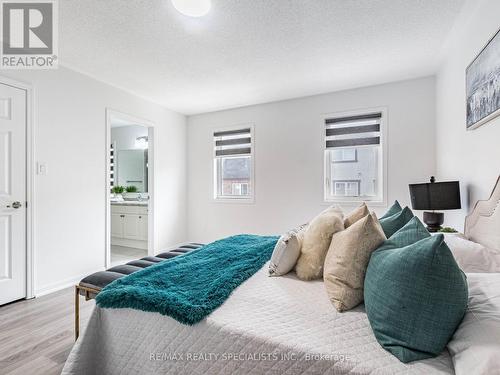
x=252, y=51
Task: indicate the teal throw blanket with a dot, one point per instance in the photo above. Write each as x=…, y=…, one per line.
x=189, y=287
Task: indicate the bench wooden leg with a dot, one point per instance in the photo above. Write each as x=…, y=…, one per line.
x=90, y=293
x=77, y=312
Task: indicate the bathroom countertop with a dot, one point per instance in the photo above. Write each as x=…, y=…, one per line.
x=130, y=203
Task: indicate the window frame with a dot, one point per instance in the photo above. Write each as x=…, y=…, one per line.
x=383, y=176
x=250, y=199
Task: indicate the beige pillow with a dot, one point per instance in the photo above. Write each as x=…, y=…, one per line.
x=347, y=261
x=315, y=242
x=356, y=215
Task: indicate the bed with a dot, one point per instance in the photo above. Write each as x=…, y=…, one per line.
x=283, y=325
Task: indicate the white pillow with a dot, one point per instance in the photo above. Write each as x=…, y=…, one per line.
x=286, y=252
x=475, y=346
x=473, y=257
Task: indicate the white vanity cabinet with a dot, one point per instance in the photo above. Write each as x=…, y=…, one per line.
x=129, y=225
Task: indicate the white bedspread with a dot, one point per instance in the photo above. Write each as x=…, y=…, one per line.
x=268, y=326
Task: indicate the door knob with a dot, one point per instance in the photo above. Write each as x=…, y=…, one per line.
x=16, y=205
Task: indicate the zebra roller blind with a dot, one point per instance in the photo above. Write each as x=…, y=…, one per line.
x=353, y=131
x=237, y=142
x=112, y=165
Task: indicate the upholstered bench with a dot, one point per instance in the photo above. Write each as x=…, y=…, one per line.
x=91, y=285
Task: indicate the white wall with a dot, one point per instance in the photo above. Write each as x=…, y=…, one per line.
x=70, y=199
x=473, y=157
x=289, y=156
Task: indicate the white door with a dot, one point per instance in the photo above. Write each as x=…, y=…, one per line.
x=12, y=194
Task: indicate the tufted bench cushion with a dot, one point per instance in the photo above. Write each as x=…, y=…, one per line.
x=100, y=279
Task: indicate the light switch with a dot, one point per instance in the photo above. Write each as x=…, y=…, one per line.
x=42, y=169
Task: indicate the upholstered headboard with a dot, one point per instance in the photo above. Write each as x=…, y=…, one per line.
x=482, y=225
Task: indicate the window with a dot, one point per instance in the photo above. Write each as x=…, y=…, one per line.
x=354, y=160
x=346, y=188
x=345, y=155
x=233, y=164
x=239, y=188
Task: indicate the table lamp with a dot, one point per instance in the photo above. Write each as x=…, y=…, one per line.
x=435, y=196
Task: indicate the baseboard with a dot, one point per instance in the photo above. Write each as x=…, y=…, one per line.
x=55, y=287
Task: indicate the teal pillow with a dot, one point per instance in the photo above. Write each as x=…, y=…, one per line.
x=393, y=223
x=394, y=209
x=410, y=233
x=415, y=294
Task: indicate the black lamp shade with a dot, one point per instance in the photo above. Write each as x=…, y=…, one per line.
x=435, y=196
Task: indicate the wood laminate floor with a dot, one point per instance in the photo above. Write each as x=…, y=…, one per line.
x=122, y=254
x=37, y=335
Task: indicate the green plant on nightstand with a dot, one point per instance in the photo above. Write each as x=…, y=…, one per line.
x=131, y=189
x=448, y=230
x=117, y=189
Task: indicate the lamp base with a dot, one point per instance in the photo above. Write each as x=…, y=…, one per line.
x=433, y=221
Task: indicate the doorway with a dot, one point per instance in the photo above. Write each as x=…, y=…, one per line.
x=129, y=188
x=15, y=191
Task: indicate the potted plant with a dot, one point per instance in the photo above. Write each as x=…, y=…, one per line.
x=131, y=193
x=117, y=192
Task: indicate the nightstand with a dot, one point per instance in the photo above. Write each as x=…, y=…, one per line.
x=456, y=234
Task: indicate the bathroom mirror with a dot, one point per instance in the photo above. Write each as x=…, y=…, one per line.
x=132, y=169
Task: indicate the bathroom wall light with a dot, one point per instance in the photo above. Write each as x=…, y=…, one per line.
x=192, y=8
x=141, y=142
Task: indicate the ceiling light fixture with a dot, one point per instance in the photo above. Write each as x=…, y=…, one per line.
x=192, y=8
x=141, y=142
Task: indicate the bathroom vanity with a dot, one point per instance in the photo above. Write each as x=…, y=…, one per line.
x=129, y=224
